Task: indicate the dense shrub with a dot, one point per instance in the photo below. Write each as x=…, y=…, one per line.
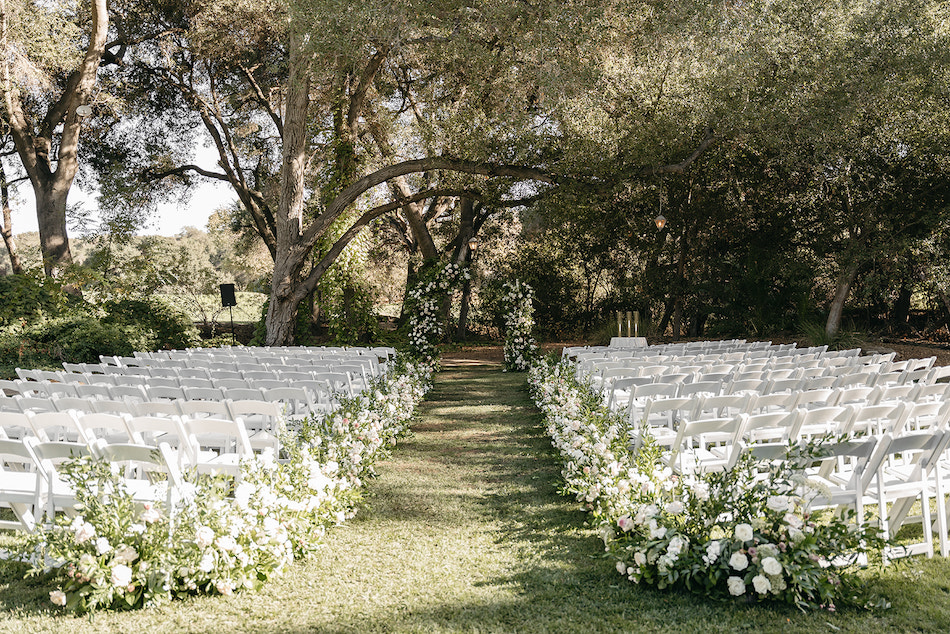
x=77, y=338
x=25, y=297
x=164, y=325
x=42, y=326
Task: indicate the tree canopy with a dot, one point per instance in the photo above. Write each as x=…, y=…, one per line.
x=793, y=146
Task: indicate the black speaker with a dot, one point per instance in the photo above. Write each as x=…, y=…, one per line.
x=227, y=295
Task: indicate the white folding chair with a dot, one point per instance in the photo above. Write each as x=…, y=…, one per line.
x=93, y=391
x=227, y=439
x=56, y=426
x=109, y=428
x=693, y=451
x=818, y=422
x=907, y=484
x=296, y=401
x=264, y=421
x=14, y=425
x=21, y=483
x=149, y=474
x=204, y=409
x=58, y=495
x=34, y=404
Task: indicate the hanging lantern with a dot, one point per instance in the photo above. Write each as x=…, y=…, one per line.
x=660, y=221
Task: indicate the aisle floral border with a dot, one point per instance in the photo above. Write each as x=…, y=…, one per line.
x=518, y=308
x=222, y=535
x=740, y=533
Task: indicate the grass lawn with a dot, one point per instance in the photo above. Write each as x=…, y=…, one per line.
x=464, y=532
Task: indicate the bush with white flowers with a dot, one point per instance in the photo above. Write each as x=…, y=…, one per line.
x=518, y=308
x=425, y=300
x=223, y=535
x=744, y=533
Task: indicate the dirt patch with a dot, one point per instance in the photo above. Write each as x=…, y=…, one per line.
x=494, y=353
x=911, y=351
x=478, y=354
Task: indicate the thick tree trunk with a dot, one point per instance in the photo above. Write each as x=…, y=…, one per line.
x=665, y=319
x=463, y=310
x=677, y=318
x=6, y=228
x=51, y=220
x=901, y=310
x=286, y=291
x=842, y=289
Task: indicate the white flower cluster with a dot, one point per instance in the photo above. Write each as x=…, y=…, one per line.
x=518, y=308
x=223, y=536
x=425, y=322
x=738, y=533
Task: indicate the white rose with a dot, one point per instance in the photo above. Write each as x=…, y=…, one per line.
x=793, y=520
x=58, y=597
x=207, y=563
x=761, y=584
x=85, y=532
x=771, y=566
x=738, y=561
x=204, y=536
x=621, y=567
x=778, y=503
x=701, y=491
x=121, y=575
x=226, y=543
x=640, y=558
x=675, y=508
x=795, y=535
x=676, y=546
x=743, y=532
x=103, y=546
x=656, y=532
x=125, y=555
x=736, y=586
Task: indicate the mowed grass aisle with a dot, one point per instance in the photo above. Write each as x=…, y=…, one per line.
x=464, y=532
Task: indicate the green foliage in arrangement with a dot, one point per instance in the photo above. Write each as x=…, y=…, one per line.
x=749, y=532
x=352, y=319
x=219, y=535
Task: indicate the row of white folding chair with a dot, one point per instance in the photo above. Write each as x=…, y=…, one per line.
x=835, y=392
x=600, y=370
x=345, y=382
x=371, y=355
x=803, y=366
x=354, y=368
x=193, y=435
x=31, y=487
x=323, y=391
x=256, y=351
x=855, y=474
x=617, y=387
x=666, y=420
x=295, y=402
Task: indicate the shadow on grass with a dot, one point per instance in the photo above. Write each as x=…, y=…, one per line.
x=561, y=580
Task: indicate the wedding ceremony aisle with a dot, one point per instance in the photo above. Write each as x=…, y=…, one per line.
x=464, y=531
